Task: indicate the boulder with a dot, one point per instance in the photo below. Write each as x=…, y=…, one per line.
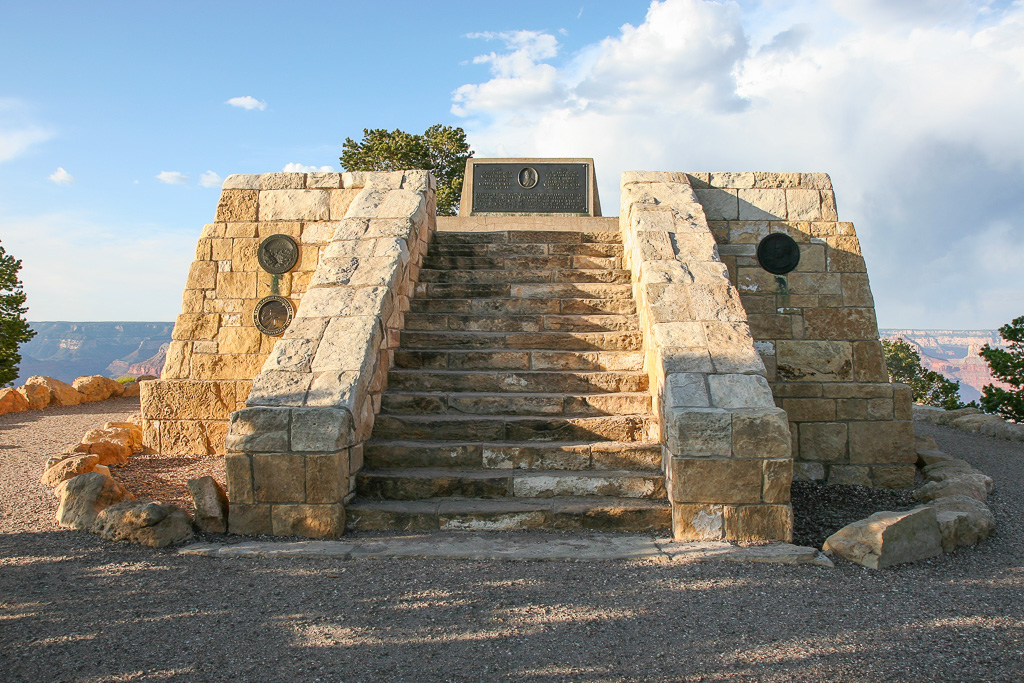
x=37, y=395
x=211, y=504
x=962, y=521
x=951, y=473
x=131, y=389
x=97, y=387
x=12, y=401
x=966, y=485
x=923, y=442
x=948, y=462
x=1003, y=430
x=974, y=423
x=61, y=394
x=930, y=457
x=114, y=446
x=146, y=522
x=84, y=496
x=69, y=467
x=132, y=431
x=888, y=538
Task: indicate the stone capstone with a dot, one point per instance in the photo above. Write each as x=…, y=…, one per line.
x=85, y=496
x=211, y=503
x=146, y=522
x=888, y=538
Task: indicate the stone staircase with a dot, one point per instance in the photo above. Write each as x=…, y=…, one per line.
x=517, y=399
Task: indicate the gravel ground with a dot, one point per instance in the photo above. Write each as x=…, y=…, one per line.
x=75, y=608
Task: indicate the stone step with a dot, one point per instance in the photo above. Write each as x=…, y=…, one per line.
x=418, y=483
x=527, y=381
x=519, y=360
x=521, y=323
x=494, y=306
x=527, y=237
x=489, y=428
x=548, y=341
x=516, y=250
x=584, y=455
x=591, y=512
x=541, y=290
x=510, y=263
x=470, y=403
x=603, y=275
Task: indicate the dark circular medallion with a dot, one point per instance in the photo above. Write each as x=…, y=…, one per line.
x=277, y=254
x=778, y=253
x=528, y=177
x=272, y=315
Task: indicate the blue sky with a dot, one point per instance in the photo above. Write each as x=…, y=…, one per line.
x=116, y=126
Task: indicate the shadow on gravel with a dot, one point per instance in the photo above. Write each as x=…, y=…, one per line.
x=75, y=608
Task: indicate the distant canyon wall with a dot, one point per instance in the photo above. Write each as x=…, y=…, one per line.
x=954, y=353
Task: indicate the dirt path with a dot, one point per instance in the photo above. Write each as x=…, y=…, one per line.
x=74, y=608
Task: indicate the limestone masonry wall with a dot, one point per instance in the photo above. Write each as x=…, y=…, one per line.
x=216, y=349
x=726, y=446
x=814, y=327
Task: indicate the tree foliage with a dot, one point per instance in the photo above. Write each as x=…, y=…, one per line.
x=443, y=150
x=14, y=330
x=929, y=387
x=1006, y=365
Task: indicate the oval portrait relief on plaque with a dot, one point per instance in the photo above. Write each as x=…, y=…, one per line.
x=278, y=254
x=528, y=177
x=272, y=315
x=778, y=253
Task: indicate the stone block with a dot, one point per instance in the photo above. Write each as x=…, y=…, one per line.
x=748, y=232
x=337, y=390
x=759, y=523
x=282, y=181
x=335, y=302
x=259, y=429
x=249, y=520
x=740, y=391
x=762, y=179
x=349, y=343
x=698, y=522
x=893, y=476
x=714, y=480
x=810, y=409
x=224, y=366
x=291, y=355
x=888, y=538
x=668, y=302
x=232, y=285
x=869, y=362
x=211, y=504
x=903, y=400
x=327, y=477
x=279, y=477
x=310, y=521
x=883, y=442
x=237, y=181
x=732, y=179
x=719, y=204
x=188, y=399
x=814, y=361
x=823, y=441
x=679, y=334
x=291, y=205
x=732, y=349
x=321, y=429
x=237, y=205
x=808, y=471
x=803, y=205
x=719, y=302
x=241, y=229
x=699, y=432
x=840, y=323
x=857, y=290
x=687, y=390
x=192, y=326
x=849, y=475
x=756, y=280
x=760, y=433
x=762, y=204
x=238, y=340
x=238, y=472
x=279, y=389
x=778, y=479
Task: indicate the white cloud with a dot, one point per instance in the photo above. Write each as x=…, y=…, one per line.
x=247, y=102
x=17, y=132
x=61, y=177
x=210, y=179
x=916, y=117
x=172, y=177
x=302, y=168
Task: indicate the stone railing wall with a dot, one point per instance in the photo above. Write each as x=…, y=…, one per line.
x=216, y=349
x=293, y=451
x=726, y=446
x=814, y=327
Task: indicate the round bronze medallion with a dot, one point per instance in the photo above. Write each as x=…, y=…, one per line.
x=528, y=177
x=278, y=254
x=272, y=315
x=778, y=253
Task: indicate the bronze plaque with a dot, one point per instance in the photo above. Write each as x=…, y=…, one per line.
x=272, y=315
x=533, y=187
x=278, y=254
x=778, y=253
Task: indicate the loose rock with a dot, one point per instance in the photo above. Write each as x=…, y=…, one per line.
x=70, y=467
x=12, y=401
x=37, y=396
x=962, y=521
x=97, y=387
x=61, y=394
x=84, y=496
x=888, y=538
x=211, y=503
x=146, y=522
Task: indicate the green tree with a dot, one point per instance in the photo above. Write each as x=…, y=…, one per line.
x=1006, y=365
x=929, y=387
x=14, y=330
x=442, y=150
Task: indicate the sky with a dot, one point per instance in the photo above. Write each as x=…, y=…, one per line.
x=118, y=122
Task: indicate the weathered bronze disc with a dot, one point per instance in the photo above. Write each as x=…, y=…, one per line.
x=272, y=315
x=528, y=177
x=278, y=254
x=778, y=253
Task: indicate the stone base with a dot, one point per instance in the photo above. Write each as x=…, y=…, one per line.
x=701, y=522
x=309, y=521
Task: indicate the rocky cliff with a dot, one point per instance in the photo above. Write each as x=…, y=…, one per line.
x=954, y=353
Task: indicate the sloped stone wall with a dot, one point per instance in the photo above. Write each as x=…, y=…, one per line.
x=216, y=349
x=814, y=327
x=296, y=446
x=726, y=446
